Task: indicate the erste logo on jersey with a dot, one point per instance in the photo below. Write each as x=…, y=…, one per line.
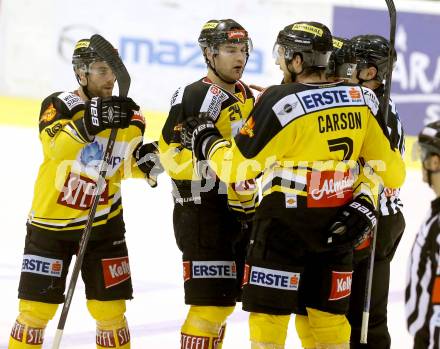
x=341, y=285
x=282, y=280
x=329, y=188
x=209, y=270
x=78, y=192
x=42, y=265
x=115, y=270
x=314, y=100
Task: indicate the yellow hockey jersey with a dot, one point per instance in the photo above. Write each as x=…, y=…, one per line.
x=229, y=111
x=66, y=179
x=306, y=140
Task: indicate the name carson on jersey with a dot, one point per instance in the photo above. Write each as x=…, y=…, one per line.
x=339, y=121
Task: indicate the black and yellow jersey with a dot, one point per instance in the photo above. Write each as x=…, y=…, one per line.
x=229, y=111
x=306, y=140
x=66, y=179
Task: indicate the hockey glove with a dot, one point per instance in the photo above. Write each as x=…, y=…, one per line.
x=198, y=134
x=109, y=112
x=354, y=223
x=147, y=159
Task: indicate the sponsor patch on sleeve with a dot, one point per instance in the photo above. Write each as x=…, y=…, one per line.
x=49, y=114
x=177, y=97
x=71, y=100
x=287, y=109
x=213, y=101
x=371, y=100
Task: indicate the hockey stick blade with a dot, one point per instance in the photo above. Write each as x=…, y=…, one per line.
x=387, y=90
x=110, y=55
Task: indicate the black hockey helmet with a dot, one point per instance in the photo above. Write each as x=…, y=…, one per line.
x=429, y=139
x=216, y=32
x=342, y=61
x=312, y=40
x=84, y=54
x=372, y=50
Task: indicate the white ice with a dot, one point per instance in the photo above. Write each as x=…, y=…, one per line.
x=157, y=310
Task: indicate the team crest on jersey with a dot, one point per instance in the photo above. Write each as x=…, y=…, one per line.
x=49, y=114
x=248, y=128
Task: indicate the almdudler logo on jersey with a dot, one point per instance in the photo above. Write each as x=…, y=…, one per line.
x=213, y=270
x=42, y=265
x=329, y=188
x=283, y=280
x=115, y=270
x=341, y=285
x=314, y=100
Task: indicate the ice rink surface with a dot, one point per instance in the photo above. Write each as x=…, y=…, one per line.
x=157, y=310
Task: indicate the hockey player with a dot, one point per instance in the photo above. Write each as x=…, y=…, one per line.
x=305, y=137
x=207, y=222
x=371, y=53
x=422, y=294
x=74, y=129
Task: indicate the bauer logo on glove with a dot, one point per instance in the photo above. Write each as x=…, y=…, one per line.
x=353, y=224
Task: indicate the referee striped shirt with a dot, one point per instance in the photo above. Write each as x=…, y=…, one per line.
x=422, y=294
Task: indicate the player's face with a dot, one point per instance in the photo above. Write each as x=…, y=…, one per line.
x=430, y=162
x=101, y=80
x=231, y=60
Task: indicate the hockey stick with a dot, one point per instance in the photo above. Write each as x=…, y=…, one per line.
x=110, y=55
x=385, y=107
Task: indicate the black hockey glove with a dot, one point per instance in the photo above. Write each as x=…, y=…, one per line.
x=198, y=134
x=147, y=159
x=354, y=223
x=109, y=112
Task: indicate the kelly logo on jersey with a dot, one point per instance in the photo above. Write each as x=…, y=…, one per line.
x=283, y=280
x=341, y=285
x=314, y=100
x=115, y=270
x=42, y=265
